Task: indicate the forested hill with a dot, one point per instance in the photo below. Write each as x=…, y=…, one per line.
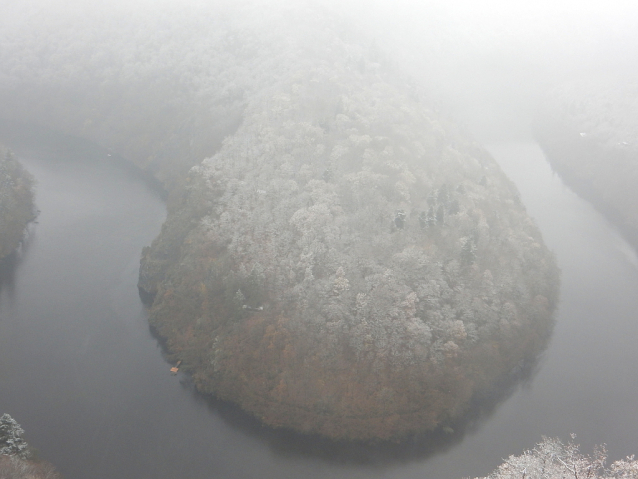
x=588, y=129
x=345, y=262
x=16, y=201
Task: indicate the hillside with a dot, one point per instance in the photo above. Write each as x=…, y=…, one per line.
x=16, y=201
x=346, y=261
x=588, y=130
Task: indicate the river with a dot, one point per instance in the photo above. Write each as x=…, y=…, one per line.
x=82, y=373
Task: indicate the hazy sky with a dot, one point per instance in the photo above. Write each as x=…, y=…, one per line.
x=481, y=57
x=488, y=57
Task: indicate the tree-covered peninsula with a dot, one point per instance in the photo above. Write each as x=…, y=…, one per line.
x=16, y=201
x=346, y=261
x=588, y=130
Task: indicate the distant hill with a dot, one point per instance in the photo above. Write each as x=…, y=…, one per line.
x=588, y=130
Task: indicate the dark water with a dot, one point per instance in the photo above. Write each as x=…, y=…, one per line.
x=81, y=372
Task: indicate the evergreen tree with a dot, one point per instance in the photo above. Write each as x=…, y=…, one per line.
x=399, y=219
x=11, y=441
x=468, y=251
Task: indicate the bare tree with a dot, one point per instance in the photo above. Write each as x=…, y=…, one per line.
x=552, y=459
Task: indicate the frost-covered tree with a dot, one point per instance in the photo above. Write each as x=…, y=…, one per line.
x=11, y=440
x=553, y=459
x=588, y=129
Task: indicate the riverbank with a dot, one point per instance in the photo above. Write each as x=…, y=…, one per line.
x=16, y=468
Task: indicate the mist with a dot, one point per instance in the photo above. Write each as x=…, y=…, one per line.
x=319, y=238
x=490, y=62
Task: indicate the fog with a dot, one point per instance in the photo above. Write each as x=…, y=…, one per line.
x=493, y=61
x=359, y=266
x=488, y=61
